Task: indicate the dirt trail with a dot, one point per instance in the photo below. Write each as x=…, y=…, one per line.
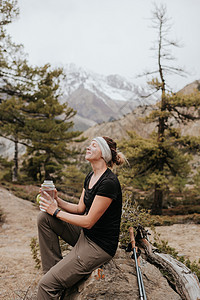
x=16, y=263
x=19, y=278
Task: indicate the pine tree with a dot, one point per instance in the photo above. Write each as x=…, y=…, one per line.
x=8, y=11
x=17, y=81
x=16, y=75
x=157, y=159
x=49, y=127
x=30, y=112
x=12, y=122
x=144, y=156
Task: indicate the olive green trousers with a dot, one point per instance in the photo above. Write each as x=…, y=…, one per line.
x=61, y=273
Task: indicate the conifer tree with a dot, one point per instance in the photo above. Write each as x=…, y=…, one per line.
x=16, y=75
x=8, y=11
x=157, y=159
x=12, y=122
x=17, y=81
x=30, y=112
x=48, y=125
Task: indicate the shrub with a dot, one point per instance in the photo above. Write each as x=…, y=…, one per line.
x=2, y=216
x=35, y=252
x=132, y=216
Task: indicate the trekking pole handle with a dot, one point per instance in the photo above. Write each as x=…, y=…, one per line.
x=131, y=231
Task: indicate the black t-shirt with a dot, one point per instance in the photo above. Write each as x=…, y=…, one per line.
x=105, y=232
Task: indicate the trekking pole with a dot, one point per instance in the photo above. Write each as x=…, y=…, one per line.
x=138, y=270
x=141, y=280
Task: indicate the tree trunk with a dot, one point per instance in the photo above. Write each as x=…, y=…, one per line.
x=15, y=169
x=158, y=192
x=158, y=201
x=47, y=175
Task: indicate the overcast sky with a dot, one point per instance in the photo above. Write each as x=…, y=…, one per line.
x=107, y=36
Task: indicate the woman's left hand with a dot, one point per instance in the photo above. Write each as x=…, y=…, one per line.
x=47, y=203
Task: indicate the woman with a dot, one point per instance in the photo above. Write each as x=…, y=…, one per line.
x=91, y=226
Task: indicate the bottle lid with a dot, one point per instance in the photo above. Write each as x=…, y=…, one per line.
x=48, y=183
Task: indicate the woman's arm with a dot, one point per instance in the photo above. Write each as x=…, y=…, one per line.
x=72, y=208
x=99, y=206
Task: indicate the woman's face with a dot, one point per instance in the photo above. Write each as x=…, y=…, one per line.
x=93, y=152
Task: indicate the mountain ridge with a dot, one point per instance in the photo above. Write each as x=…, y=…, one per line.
x=100, y=98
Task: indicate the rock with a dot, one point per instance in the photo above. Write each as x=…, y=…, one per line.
x=118, y=280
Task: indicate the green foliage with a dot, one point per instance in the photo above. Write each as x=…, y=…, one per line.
x=180, y=100
x=16, y=75
x=190, y=143
x=5, y=169
x=132, y=216
x=73, y=180
x=41, y=123
x=144, y=156
x=32, y=167
x=182, y=108
x=48, y=128
x=12, y=120
x=157, y=159
x=8, y=11
x=85, y=167
x=196, y=181
x=162, y=245
x=2, y=216
x=155, y=83
x=178, y=184
x=30, y=112
x=193, y=266
x=35, y=252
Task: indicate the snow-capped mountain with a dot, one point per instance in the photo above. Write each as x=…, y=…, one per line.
x=98, y=98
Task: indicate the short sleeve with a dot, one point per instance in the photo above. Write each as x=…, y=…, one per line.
x=108, y=188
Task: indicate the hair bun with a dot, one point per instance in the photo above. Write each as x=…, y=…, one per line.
x=120, y=158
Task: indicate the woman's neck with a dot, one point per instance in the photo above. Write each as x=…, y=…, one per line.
x=99, y=167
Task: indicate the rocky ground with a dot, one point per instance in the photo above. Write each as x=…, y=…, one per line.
x=18, y=275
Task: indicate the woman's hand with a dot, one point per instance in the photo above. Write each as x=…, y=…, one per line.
x=55, y=193
x=47, y=203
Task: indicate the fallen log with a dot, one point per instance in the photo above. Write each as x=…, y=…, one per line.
x=178, y=275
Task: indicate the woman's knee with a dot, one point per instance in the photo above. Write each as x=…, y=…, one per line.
x=49, y=287
x=48, y=224
x=42, y=218
x=41, y=284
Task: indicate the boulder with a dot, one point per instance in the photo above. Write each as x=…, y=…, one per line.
x=118, y=280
